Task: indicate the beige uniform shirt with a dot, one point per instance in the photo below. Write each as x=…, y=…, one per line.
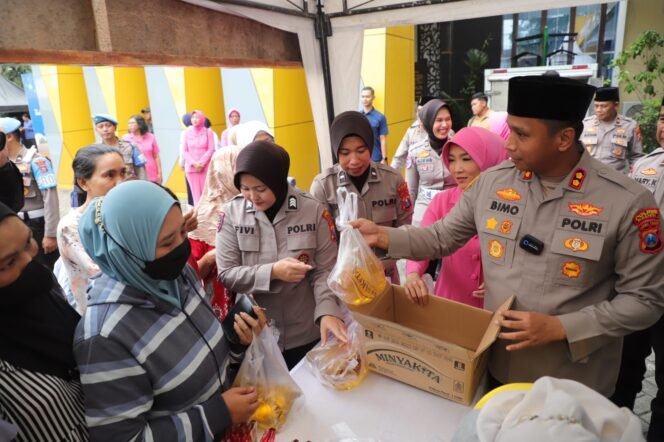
x=426, y=176
x=648, y=171
x=476, y=121
x=414, y=134
x=126, y=148
x=617, y=144
x=384, y=199
x=248, y=245
x=600, y=271
x=36, y=198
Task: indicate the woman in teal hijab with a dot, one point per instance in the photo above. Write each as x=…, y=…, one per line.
x=153, y=358
x=120, y=234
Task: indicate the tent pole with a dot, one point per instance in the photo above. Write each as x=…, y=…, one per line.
x=323, y=30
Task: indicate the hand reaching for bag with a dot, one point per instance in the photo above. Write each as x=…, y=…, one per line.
x=290, y=270
x=241, y=403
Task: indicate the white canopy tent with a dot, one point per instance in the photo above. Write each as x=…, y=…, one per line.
x=12, y=97
x=348, y=20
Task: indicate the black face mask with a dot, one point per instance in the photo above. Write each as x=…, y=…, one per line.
x=34, y=280
x=169, y=266
x=11, y=186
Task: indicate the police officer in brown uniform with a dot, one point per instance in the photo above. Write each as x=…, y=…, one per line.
x=647, y=171
x=609, y=137
x=581, y=250
x=278, y=243
x=41, y=210
x=383, y=195
x=105, y=126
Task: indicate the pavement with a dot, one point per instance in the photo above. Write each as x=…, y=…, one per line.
x=641, y=407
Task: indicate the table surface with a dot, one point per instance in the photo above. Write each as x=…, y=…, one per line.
x=379, y=409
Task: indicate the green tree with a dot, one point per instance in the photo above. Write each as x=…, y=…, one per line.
x=12, y=72
x=647, y=82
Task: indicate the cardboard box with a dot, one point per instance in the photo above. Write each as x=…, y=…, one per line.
x=440, y=348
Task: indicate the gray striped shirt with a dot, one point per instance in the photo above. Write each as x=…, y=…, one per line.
x=147, y=369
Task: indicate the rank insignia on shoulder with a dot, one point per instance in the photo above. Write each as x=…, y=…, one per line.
x=577, y=179
x=220, y=223
x=292, y=202
x=508, y=194
x=648, y=222
x=584, y=209
x=571, y=269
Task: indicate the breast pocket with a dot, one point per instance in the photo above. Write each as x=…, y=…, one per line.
x=618, y=146
x=574, y=257
x=248, y=243
x=385, y=216
x=302, y=247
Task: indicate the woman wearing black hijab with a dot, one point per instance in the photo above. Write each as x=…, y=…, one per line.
x=426, y=174
x=383, y=195
x=40, y=392
x=279, y=244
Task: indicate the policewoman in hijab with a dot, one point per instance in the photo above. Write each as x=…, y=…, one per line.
x=426, y=174
x=40, y=392
x=154, y=361
x=278, y=243
x=383, y=195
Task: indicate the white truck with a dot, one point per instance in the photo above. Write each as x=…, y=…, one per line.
x=496, y=80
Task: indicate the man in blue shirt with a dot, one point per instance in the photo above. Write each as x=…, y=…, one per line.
x=378, y=125
x=28, y=132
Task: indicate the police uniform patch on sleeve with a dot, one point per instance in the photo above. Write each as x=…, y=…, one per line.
x=43, y=172
x=220, y=223
x=330, y=224
x=648, y=222
x=404, y=196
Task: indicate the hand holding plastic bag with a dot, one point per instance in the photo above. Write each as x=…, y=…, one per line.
x=358, y=276
x=338, y=365
x=264, y=368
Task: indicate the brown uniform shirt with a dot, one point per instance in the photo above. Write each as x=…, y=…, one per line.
x=600, y=270
x=648, y=171
x=617, y=144
x=248, y=245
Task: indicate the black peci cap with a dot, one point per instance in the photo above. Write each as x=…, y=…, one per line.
x=549, y=98
x=607, y=94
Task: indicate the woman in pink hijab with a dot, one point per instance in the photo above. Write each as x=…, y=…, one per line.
x=198, y=147
x=471, y=151
x=233, y=120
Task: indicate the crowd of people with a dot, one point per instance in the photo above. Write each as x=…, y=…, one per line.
x=113, y=313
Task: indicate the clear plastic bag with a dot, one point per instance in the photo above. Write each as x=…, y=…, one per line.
x=338, y=365
x=358, y=276
x=264, y=367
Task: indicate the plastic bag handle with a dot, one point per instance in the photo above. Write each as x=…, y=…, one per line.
x=347, y=203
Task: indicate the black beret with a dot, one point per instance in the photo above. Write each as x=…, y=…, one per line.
x=549, y=98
